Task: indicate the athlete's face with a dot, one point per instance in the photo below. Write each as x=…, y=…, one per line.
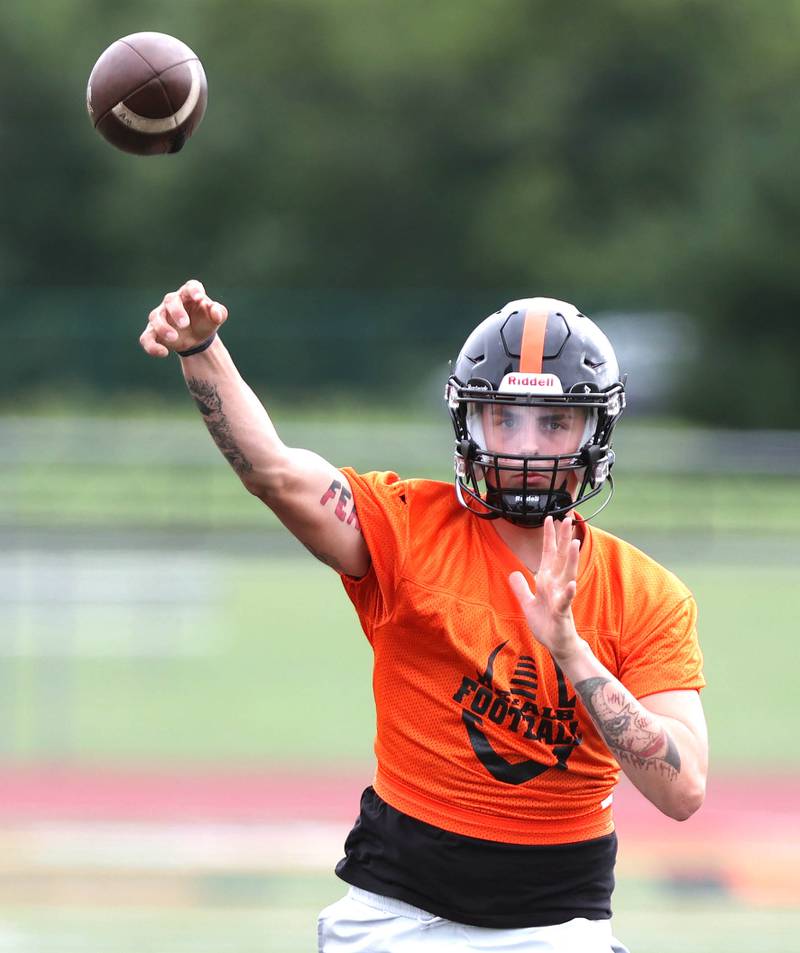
x=531, y=431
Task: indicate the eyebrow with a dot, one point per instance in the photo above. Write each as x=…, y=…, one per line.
x=557, y=413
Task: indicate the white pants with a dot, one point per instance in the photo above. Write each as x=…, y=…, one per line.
x=364, y=922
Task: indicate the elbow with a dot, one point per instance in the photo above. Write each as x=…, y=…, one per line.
x=687, y=803
x=684, y=811
x=253, y=481
x=255, y=486
x=270, y=486
x=270, y=491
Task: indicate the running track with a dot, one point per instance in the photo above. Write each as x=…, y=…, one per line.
x=746, y=838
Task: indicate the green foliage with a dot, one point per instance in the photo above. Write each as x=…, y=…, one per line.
x=621, y=154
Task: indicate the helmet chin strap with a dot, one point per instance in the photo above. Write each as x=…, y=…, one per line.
x=530, y=509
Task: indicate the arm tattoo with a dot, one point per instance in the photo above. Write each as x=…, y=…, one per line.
x=336, y=492
x=341, y=507
x=628, y=729
x=329, y=560
x=207, y=398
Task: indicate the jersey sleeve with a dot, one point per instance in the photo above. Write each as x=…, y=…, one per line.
x=381, y=504
x=664, y=654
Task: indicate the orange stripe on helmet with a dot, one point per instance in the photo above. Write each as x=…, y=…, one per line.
x=532, y=351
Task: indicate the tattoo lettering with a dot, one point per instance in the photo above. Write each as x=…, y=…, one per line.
x=207, y=398
x=628, y=730
x=340, y=510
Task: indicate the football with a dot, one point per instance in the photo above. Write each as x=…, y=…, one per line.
x=147, y=93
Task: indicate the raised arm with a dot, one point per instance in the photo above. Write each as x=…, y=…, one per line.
x=659, y=741
x=309, y=495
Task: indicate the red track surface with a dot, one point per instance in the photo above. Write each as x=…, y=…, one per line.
x=745, y=840
x=740, y=806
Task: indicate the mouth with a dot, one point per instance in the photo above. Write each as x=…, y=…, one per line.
x=535, y=480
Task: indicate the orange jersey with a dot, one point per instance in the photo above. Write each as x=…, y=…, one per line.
x=478, y=731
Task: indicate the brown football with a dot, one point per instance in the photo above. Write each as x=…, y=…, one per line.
x=147, y=93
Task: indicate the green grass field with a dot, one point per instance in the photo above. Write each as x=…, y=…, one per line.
x=277, y=629
x=648, y=921
x=283, y=675
x=98, y=474
x=165, y=621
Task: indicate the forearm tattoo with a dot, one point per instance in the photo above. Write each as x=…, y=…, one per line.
x=629, y=730
x=207, y=398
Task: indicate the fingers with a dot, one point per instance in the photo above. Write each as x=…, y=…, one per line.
x=555, y=544
x=219, y=313
x=163, y=324
x=193, y=289
x=192, y=295
x=565, y=584
x=194, y=299
x=570, y=573
x=548, y=543
x=558, y=571
x=159, y=323
x=563, y=545
x=174, y=310
x=150, y=345
x=189, y=309
x=189, y=302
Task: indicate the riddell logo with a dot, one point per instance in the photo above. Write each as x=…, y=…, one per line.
x=531, y=380
x=531, y=383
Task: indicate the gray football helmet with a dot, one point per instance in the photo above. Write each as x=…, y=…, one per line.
x=534, y=353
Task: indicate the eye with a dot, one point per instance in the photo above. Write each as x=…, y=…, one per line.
x=506, y=421
x=554, y=424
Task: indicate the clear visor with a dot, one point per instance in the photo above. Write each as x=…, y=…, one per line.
x=517, y=430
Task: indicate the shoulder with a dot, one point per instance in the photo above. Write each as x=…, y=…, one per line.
x=627, y=567
x=420, y=521
x=633, y=593
x=409, y=512
x=404, y=523
x=388, y=491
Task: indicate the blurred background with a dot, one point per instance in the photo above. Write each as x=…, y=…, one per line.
x=186, y=714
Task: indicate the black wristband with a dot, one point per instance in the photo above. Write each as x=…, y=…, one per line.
x=200, y=347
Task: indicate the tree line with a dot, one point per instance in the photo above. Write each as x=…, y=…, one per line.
x=397, y=170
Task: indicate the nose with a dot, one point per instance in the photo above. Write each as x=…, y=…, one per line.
x=526, y=441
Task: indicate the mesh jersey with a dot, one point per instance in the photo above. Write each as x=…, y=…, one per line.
x=478, y=731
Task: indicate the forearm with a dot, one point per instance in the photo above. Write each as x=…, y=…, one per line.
x=310, y=496
x=660, y=755
x=236, y=420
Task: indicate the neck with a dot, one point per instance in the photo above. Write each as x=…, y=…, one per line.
x=524, y=542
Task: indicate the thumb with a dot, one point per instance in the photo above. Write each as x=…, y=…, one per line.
x=522, y=591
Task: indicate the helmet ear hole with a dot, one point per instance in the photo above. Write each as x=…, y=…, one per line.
x=467, y=448
x=597, y=463
x=592, y=455
x=466, y=454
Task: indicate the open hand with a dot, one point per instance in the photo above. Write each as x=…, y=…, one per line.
x=184, y=319
x=549, y=612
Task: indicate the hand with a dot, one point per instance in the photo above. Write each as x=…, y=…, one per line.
x=184, y=319
x=549, y=612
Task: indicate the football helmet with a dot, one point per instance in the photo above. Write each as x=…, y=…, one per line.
x=534, y=396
